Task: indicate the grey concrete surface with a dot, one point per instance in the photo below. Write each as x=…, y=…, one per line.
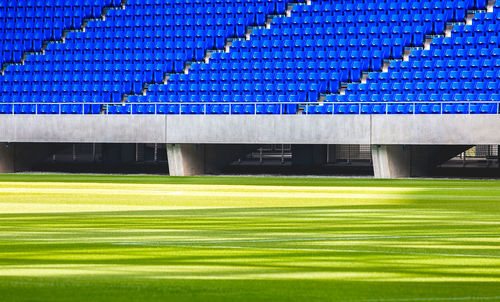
x=436, y=129
x=263, y=129
x=254, y=129
x=82, y=128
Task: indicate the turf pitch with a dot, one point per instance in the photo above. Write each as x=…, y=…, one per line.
x=150, y=238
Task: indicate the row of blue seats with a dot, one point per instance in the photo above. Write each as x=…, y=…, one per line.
x=162, y=27
x=200, y=11
x=436, y=26
x=53, y=98
x=218, y=98
x=298, y=66
x=457, y=42
x=234, y=88
x=431, y=87
x=429, y=76
x=26, y=20
x=216, y=58
x=148, y=3
x=440, y=16
x=445, y=63
x=415, y=97
x=393, y=6
x=481, y=52
x=329, y=31
x=477, y=67
x=185, y=4
x=84, y=78
x=178, y=36
x=286, y=77
x=66, y=84
x=104, y=68
x=211, y=98
x=79, y=70
x=442, y=54
x=120, y=58
x=48, y=4
x=250, y=15
x=65, y=88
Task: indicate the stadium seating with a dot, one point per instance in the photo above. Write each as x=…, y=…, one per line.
x=26, y=24
x=313, y=52
x=458, y=74
x=133, y=46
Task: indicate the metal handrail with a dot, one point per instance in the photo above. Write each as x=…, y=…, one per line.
x=301, y=107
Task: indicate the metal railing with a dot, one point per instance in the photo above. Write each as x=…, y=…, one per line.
x=244, y=108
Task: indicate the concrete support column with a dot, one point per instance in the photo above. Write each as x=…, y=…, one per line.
x=185, y=159
x=198, y=159
x=6, y=158
x=391, y=161
x=400, y=161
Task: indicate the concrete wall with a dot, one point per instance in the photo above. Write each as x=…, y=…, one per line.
x=254, y=129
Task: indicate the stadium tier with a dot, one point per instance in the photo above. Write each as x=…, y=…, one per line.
x=118, y=66
x=458, y=74
x=133, y=46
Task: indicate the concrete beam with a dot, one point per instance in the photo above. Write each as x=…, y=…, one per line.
x=254, y=129
x=421, y=129
x=268, y=129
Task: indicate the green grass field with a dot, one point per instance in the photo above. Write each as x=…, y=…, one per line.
x=151, y=238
